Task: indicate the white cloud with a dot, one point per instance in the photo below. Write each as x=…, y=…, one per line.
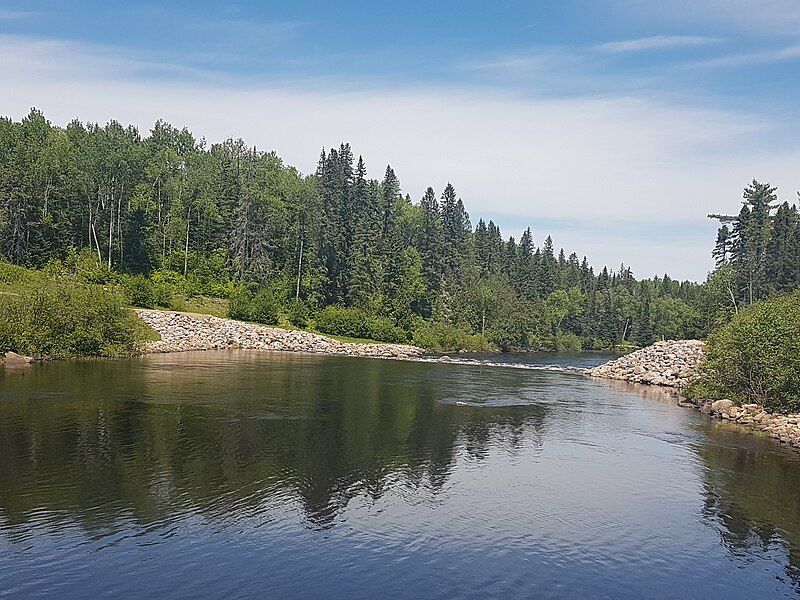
x=657, y=42
x=751, y=58
x=603, y=161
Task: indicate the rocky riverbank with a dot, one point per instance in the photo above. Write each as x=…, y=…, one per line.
x=784, y=428
x=671, y=363
x=181, y=332
x=674, y=364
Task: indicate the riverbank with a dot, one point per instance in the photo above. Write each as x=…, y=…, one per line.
x=674, y=364
x=671, y=363
x=182, y=332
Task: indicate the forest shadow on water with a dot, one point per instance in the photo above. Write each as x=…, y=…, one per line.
x=378, y=476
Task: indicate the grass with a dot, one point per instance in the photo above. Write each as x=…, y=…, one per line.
x=206, y=305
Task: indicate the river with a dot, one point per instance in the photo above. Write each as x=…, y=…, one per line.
x=274, y=475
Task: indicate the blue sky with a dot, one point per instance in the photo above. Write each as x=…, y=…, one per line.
x=614, y=125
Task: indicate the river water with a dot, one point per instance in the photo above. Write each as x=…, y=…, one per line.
x=273, y=475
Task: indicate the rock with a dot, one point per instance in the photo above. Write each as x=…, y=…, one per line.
x=721, y=406
x=12, y=359
x=181, y=332
x=667, y=363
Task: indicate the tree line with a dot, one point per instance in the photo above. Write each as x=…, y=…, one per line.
x=758, y=250
x=228, y=215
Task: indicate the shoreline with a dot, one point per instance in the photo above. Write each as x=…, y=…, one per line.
x=183, y=332
x=673, y=364
x=667, y=364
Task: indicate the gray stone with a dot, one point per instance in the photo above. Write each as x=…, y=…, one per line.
x=721, y=406
x=12, y=359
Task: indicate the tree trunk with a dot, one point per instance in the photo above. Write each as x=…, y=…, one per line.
x=110, y=230
x=299, y=271
x=186, y=247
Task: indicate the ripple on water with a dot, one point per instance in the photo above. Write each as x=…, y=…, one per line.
x=245, y=474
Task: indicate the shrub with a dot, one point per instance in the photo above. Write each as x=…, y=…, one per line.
x=442, y=337
x=86, y=266
x=565, y=341
x=338, y=320
x=383, y=329
x=239, y=304
x=60, y=320
x=261, y=307
x=139, y=291
x=357, y=323
x=756, y=357
x=297, y=314
x=12, y=274
x=264, y=308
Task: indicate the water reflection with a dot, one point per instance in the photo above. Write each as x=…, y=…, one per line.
x=155, y=436
x=571, y=473
x=752, y=496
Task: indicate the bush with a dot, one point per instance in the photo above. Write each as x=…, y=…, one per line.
x=59, y=320
x=442, y=337
x=383, y=329
x=139, y=291
x=239, y=304
x=756, y=357
x=337, y=320
x=357, y=323
x=261, y=307
x=264, y=308
x=86, y=266
x=565, y=341
x=297, y=315
x=12, y=274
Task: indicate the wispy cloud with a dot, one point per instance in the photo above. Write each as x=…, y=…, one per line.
x=751, y=58
x=245, y=28
x=510, y=63
x=14, y=15
x=531, y=61
x=657, y=42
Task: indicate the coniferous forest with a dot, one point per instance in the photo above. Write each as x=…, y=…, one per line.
x=166, y=211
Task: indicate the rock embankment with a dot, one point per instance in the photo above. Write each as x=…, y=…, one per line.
x=672, y=363
x=182, y=332
x=784, y=428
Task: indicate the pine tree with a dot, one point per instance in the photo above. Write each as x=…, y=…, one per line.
x=722, y=248
x=782, y=262
x=431, y=247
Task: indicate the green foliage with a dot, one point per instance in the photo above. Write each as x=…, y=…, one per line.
x=259, y=307
x=85, y=265
x=103, y=203
x=239, y=304
x=760, y=249
x=357, y=323
x=756, y=357
x=298, y=314
x=15, y=275
x=139, y=291
x=264, y=308
x=567, y=342
x=443, y=337
x=57, y=319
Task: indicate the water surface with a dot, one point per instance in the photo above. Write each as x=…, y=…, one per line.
x=247, y=474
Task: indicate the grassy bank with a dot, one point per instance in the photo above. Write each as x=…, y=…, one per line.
x=48, y=317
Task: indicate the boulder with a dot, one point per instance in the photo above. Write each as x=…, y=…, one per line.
x=12, y=359
x=721, y=406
